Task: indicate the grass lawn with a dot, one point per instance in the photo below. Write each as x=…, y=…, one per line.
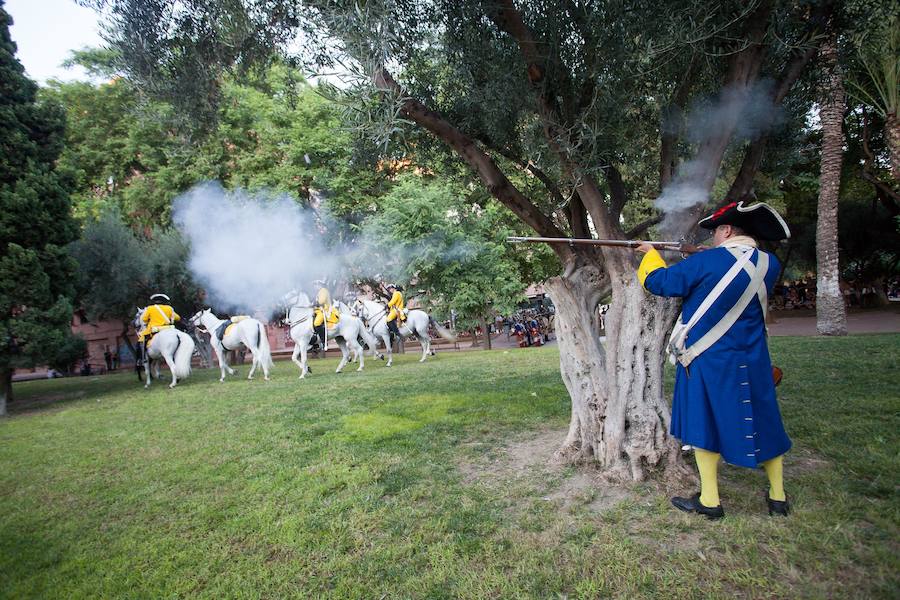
x=430, y=481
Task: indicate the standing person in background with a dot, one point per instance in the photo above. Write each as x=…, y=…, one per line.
x=724, y=403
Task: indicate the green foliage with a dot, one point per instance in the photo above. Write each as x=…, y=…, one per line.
x=433, y=237
x=118, y=269
x=36, y=275
x=276, y=132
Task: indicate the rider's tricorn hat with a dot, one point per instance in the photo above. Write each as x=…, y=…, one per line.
x=159, y=297
x=759, y=220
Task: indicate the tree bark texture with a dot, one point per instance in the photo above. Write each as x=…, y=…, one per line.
x=831, y=315
x=620, y=416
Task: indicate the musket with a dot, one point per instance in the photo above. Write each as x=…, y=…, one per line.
x=682, y=247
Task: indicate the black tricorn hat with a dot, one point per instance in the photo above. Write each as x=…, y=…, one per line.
x=759, y=220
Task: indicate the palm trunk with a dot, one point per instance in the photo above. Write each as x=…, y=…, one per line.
x=6, y=391
x=620, y=416
x=831, y=315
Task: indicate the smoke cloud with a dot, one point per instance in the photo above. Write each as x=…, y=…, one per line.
x=248, y=250
x=749, y=111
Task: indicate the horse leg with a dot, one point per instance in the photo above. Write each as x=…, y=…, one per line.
x=426, y=344
x=386, y=338
x=147, y=371
x=359, y=353
x=255, y=356
x=345, y=354
x=303, y=358
x=222, y=365
x=294, y=357
x=169, y=361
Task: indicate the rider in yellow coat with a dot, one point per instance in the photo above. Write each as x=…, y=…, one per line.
x=325, y=311
x=395, y=304
x=156, y=317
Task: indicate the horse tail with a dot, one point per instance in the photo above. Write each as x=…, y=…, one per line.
x=262, y=345
x=183, y=354
x=442, y=331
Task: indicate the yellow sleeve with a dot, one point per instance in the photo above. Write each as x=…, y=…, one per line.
x=651, y=262
x=175, y=316
x=145, y=316
x=395, y=300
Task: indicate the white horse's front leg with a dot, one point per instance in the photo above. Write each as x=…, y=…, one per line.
x=147, y=372
x=386, y=338
x=303, y=358
x=294, y=356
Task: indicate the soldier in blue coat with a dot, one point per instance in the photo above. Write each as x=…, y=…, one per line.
x=724, y=404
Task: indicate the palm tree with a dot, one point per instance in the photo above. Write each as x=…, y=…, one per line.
x=831, y=316
x=879, y=55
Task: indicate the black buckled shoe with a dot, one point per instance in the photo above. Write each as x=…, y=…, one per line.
x=693, y=505
x=777, y=507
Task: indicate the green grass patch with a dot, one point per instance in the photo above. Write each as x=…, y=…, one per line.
x=356, y=486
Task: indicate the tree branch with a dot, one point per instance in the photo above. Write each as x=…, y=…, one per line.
x=670, y=134
x=743, y=183
x=509, y=19
x=527, y=165
x=642, y=227
x=493, y=178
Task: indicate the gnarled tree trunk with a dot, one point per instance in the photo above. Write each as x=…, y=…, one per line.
x=831, y=315
x=620, y=416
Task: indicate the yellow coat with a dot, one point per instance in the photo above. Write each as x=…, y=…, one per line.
x=156, y=317
x=396, y=306
x=325, y=311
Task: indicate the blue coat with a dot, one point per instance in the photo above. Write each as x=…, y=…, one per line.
x=725, y=400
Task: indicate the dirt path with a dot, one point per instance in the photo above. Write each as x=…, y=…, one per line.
x=885, y=320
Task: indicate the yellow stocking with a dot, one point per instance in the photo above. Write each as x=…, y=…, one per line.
x=708, y=465
x=774, y=469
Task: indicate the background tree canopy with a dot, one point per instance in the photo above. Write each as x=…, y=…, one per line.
x=36, y=274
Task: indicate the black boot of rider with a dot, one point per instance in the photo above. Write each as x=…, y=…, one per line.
x=320, y=333
x=393, y=329
x=141, y=354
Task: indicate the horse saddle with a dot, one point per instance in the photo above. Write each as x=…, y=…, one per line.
x=223, y=329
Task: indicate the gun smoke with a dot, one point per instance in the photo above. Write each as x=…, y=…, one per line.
x=248, y=250
x=747, y=112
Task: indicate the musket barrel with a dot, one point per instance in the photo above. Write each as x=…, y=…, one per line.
x=592, y=242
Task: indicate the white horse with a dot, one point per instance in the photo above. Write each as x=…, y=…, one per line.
x=248, y=332
x=299, y=317
x=173, y=346
x=374, y=315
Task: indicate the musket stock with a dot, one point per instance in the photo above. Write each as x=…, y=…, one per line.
x=681, y=247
